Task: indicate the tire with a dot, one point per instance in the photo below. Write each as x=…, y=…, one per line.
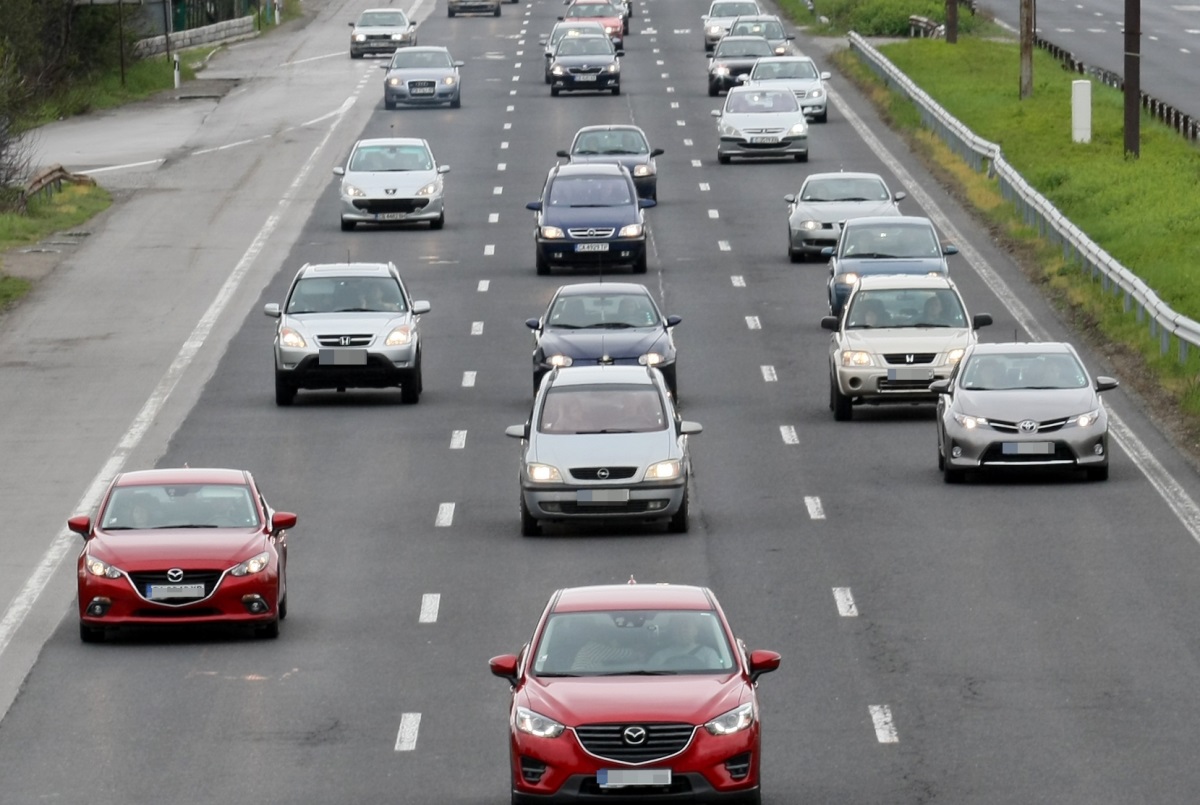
x=268, y=631
x=410, y=391
x=802, y=157
x=283, y=609
x=616, y=90
x=795, y=256
x=1097, y=473
x=640, y=266
x=548, y=79
x=554, y=92
x=679, y=522
x=952, y=476
x=530, y=527
x=347, y=226
x=285, y=392
x=496, y=13
x=89, y=634
x=354, y=55
x=941, y=459
x=389, y=105
x=722, y=158
x=450, y=13
x=712, y=90
x=439, y=222
x=457, y=102
x=840, y=403
x=823, y=118
x=542, y=267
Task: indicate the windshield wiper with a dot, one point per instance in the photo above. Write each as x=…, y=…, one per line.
x=190, y=525
x=637, y=673
x=615, y=325
x=604, y=430
x=555, y=674
x=580, y=206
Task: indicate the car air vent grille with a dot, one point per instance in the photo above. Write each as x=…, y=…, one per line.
x=1015, y=427
x=773, y=130
x=614, y=741
x=580, y=234
x=378, y=205
x=347, y=340
x=800, y=93
x=906, y=358
x=426, y=85
x=602, y=473
x=584, y=70
x=209, y=578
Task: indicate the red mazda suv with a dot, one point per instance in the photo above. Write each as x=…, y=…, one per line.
x=638, y=692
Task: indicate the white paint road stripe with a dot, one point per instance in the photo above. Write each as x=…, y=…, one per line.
x=788, y=432
x=27, y=596
x=430, y=602
x=483, y=286
x=723, y=245
x=406, y=738
x=476, y=328
x=489, y=250
x=445, y=515
x=468, y=379
x=885, y=730
x=753, y=323
x=815, y=510
x=738, y=281
x=768, y=373
x=458, y=439
x=845, y=602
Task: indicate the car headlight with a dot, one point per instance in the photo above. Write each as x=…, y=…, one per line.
x=98, y=568
x=720, y=69
x=664, y=470
x=736, y=720
x=714, y=30
x=291, y=339
x=560, y=360
x=970, y=422
x=450, y=80
x=431, y=188
x=643, y=170
x=543, y=473
x=780, y=50
x=399, y=37
x=394, y=82
x=809, y=226
x=816, y=93
x=849, y=278
x=558, y=69
x=1085, y=420
x=727, y=130
x=610, y=29
x=630, y=231
x=954, y=356
x=352, y=191
x=255, y=564
x=798, y=129
x=552, y=232
x=536, y=724
x=615, y=67
x=402, y=336
x=856, y=357
x=359, y=37
x=651, y=359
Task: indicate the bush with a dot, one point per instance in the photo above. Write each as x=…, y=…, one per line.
x=887, y=17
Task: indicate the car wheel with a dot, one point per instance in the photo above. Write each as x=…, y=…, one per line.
x=680, y=520
x=554, y=92
x=439, y=222
x=450, y=13
x=802, y=157
x=457, y=102
x=839, y=402
x=348, y=226
x=543, y=268
x=89, y=634
x=722, y=158
x=530, y=527
x=268, y=631
x=354, y=55
x=823, y=118
x=389, y=105
x=712, y=90
x=640, y=266
x=496, y=13
x=795, y=256
x=285, y=392
x=283, y=607
x=941, y=459
x=1097, y=473
x=410, y=389
x=953, y=476
x=616, y=90
x=548, y=79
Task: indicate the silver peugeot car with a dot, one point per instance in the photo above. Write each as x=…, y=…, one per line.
x=798, y=75
x=1022, y=406
x=758, y=122
x=392, y=180
x=347, y=325
x=825, y=201
x=604, y=443
x=422, y=76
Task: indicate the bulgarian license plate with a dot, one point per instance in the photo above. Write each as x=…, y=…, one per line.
x=619, y=778
x=160, y=592
x=391, y=216
x=591, y=247
x=910, y=373
x=764, y=140
x=342, y=357
x=602, y=496
x=1027, y=448
x=587, y=77
x=421, y=90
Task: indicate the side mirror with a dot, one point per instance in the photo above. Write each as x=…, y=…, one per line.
x=790, y=198
x=980, y=320
x=533, y=324
x=271, y=309
x=900, y=195
x=385, y=66
x=420, y=306
x=339, y=171
x=949, y=248
x=536, y=206
x=282, y=521
x=620, y=53
x=825, y=76
x=657, y=152
x=830, y=323
x=460, y=64
x=646, y=203
x=505, y=667
x=940, y=386
x=81, y=525
x=517, y=431
x=673, y=320
x=566, y=154
x=1104, y=383
x=827, y=251
x=350, y=24
x=716, y=113
x=790, y=37
x=688, y=428
x=443, y=169
x=763, y=662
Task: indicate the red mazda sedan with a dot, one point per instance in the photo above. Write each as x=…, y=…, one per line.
x=634, y=691
x=182, y=546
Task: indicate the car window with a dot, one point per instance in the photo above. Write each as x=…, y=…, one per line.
x=1007, y=371
x=382, y=19
x=741, y=49
x=390, y=158
x=733, y=9
x=763, y=102
x=923, y=307
x=585, y=46
x=590, y=191
x=590, y=10
x=767, y=30
x=632, y=642
x=406, y=59
x=603, y=409
x=180, y=506
x=344, y=294
x=843, y=189
x=625, y=141
x=901, y=240
x=618, y=311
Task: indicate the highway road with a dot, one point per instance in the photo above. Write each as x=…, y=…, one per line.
x=1009, y=640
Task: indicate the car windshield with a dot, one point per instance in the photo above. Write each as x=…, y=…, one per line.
x=768, y=71
x=604, y=311
x=345, y=294
x=767, y=30
x=590, y=191
x=733, y=9
x=560, y=31
x=844, y=189
x=390, y=158
x=615, y=408
x=590, y=10
x=621, y=643
x=383, y=19
x=924, y=307
x=585, y=46
x=180, y=506
x=621, y=141
x=881, y=242
x=1023, y=370
x=761, y=102
x=406, y=59
x=742, y=49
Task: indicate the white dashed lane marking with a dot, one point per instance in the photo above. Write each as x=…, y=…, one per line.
x=458, y=439
x=445, y=515
x=468, y=380
x=406, y=738
x=753, y=323
x=714, y=214
x=845, y=602
x=489, y=250
x=815, y=510
x=768, y=373
x=483, y=286
x=788, y=432
x=885, y=730
x=476, y=328
x=723, y=245
x=738, y=281
x=430, y=602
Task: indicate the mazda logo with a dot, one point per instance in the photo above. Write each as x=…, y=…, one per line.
x=602, y=473
x=634, y=736
x=1028, y=426
x=175, y=575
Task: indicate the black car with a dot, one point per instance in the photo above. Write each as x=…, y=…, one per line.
x=603, y=323
x=588, y=63
x=590, y=215
x=624, y=145
x=735, y=56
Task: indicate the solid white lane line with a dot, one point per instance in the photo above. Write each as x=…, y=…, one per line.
x=445, y=515
x=885, y=730
x=406, y=738
x=768, y=373
x=738, y=281
x=430, y=602
x=476, y=328
x=789, y=435
x=504, y=145
x=679, y=122
x=468, y=379
x=489, y=250
x=458, y=439
x=815, y=510
x=753, y=323
x=845, y=602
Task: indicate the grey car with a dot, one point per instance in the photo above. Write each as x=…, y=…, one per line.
x=604, y=443
x=721, y=15
x=800, y=75
x=621, y=144
x=381, y=30
x=825, y=200
x=347, y=325
x=422, y=76
x=1022, y=406
x=768, y=27
x=392, y=180
x=761, y=123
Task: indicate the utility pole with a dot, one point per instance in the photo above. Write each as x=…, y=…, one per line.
x=1133, y=78
x=951, y=22
x=1028, y=25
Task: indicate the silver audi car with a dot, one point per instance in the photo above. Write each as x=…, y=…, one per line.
x=392, y=180
x=347, y=325
x=423, y=76
x=1022, y=406
x=604, y=443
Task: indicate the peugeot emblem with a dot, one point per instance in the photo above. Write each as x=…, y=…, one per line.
x=634, y=736
x=391, y=191
x=175, y=575
x=1028, y=426
x=602, y=473
x=344, y=340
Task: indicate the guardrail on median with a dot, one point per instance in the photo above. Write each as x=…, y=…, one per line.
x=46, y=181
x=1037, y=211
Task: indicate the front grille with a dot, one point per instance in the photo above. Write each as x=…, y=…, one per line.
x=904, y=359
x=378, y=205
x=592, y=473
x=756, y=132
x=1049, y=426
x=906, y=386
x=209, y=578
x=738, y=766
x=352, y=340
x=170, y=614
x=632, y=507
x=662, y=741
x=584, y=70
x=584, y=234
x=428, y=86
x=800, y=93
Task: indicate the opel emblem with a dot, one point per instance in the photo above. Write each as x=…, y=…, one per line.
x=1028, y=426
x=391, y=191
x=634, y=736
x=591, y=233
x=602, y=473
x=344, y=340
x=175, y=575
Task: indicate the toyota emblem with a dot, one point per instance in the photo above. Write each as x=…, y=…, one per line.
x=634, y=736
x=602, y=473
x=1028, y=426
x=175, y=575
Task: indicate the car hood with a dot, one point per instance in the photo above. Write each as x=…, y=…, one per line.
x=691, y=699
x=793, y=85
x=892, y=265
x=603, y=449
x=761, y=120
x=610, y=22
x=833, y=211
x=357, y=322
x=906, y=339
x=734, y=62
x=405, y=183
x=602, y=217
x=1017, y=404
x=420, y=73
x=186, y=548
x=616, y=344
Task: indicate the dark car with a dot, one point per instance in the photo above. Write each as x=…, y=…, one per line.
x=590, y=215
x=624, y=145
x=604, y=323
x=900, y=244
x=733, y=57
x=585, y=63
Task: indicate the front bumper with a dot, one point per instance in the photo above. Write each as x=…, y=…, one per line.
x=392, y=210
x=227, y=601
x=442, y=93
x=474, y=6
x=727, y=81
x=647, y=186
x=385, y=368
x=562, y=501
x=376, y=46
x=742, y=147
x=901, y=383
x=983, y=448
x=620, y=252
x=812, y=241
x=586, y=82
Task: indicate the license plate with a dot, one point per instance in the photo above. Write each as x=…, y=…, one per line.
x=591, y=247
x=910, y=373
x=602, y=496
x=764, y=140
x=160, y=592
x=391, y=216
x=342, y=357
x=422, y=90
x=585, y=78
x=619, y=778
x=1028, y=448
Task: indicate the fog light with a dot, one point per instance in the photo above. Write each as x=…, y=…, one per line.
x=255, y=604
x=956, y=451
x=855, y=382
x=99, y=607
x=1098, y=449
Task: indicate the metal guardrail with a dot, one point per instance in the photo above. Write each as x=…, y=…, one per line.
x=1038, y=212
x=47, y=181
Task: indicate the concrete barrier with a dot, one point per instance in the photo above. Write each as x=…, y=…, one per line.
x=226, y=31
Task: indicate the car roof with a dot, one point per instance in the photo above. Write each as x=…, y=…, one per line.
x=581, y=288
x=903, y=281
x=347, y=270
x=424, y=49
x=591, y=169
x=611, y=127
x=757, y=18
x=843, y=175
x=181, y=475
x=1031, y=347
x=633, y=596
x=742, y=38
x=886, y=220
x=600, y=375
x=391, y=141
